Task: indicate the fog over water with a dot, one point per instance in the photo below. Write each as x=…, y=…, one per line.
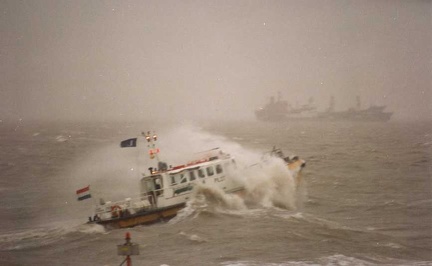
x=181, y=60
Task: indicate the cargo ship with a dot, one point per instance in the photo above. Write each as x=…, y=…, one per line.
x=279, y=110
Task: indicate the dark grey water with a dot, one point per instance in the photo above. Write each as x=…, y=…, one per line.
x=366, y=199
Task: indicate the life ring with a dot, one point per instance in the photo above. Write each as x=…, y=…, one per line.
x=116, y=211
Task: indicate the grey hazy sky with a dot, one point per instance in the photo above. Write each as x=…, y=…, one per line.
x=217, y=59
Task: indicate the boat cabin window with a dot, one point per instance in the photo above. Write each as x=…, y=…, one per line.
x=219, y=169
x=192, y=175
x=158, y=186
x=148, y=185
x=174, y=179
x=153, y=183
x=183, y=178
x=178, y=178
x=201, y=173
x=210, y=171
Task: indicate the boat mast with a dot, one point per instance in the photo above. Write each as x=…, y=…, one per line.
x=151, y=145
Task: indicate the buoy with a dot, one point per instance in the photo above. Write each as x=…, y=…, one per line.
x=127, y=249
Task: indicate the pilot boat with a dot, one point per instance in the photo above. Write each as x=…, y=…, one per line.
x=166, y=189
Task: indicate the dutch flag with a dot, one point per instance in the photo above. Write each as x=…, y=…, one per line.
x=83, y=193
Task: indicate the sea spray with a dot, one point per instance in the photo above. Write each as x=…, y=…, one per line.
x=208, y=198
x=184, y=143
x=111, y=172
x=269, y=184
x=216, y=198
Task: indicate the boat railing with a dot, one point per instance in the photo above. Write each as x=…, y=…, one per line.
x=128, y=206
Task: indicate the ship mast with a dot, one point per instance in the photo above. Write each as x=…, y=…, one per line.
x=151, y=145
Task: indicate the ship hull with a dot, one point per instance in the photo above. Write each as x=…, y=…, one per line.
x=357, y=117
x=149, y=217
x=143, y=218
x=334, y=116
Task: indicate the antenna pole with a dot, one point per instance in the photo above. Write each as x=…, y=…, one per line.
x=151, y=139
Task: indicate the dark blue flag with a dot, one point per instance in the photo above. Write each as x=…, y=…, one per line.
x=128, y=143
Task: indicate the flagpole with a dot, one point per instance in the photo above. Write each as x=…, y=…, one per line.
x=138, y=158
x=94, y=200
x=85, y=193
x=95, y=203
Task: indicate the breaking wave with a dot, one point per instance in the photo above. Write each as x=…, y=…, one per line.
x=25, y=239
x=266, y=187
x=267, y=184
x=270, y=184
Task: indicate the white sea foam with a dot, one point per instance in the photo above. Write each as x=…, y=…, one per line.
x=270, y=184
x=337, y=259
x=193, y=237
x=91, y=229
x=188, y=211
x=61, y=138
x=217, y=198
x=22, y=239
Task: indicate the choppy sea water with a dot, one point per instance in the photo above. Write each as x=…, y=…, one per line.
x=365, y=198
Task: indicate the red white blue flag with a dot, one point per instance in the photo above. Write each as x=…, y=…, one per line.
x=83, y=193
